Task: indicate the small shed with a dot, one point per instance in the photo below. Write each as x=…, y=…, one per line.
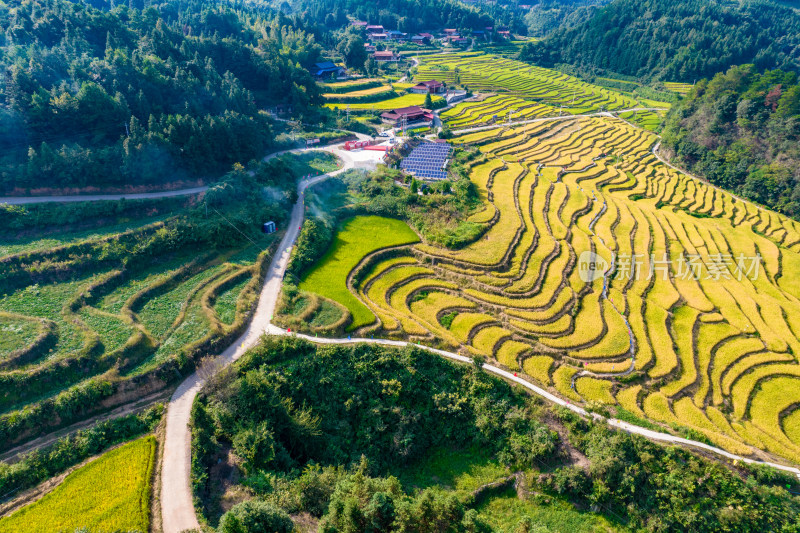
x=268, y=227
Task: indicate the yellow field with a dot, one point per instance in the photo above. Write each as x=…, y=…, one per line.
x=111, y=493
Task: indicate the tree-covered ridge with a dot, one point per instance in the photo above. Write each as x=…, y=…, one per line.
x=402, y=15
x=676, y=41
x=741, y=131
x=141, y=96
x=331, y=432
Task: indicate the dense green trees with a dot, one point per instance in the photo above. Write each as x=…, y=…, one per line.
x=313, y=241
x=403, y=15
x=329, y=431
x=741, y=131
x=143, y=96
x=256, y=517
x=675, y=41
x=549, y=15
x=290, y=404
x=351, y=46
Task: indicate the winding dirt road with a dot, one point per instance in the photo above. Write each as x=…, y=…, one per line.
x=177, y=508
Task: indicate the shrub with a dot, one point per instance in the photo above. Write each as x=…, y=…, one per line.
x=255, y=516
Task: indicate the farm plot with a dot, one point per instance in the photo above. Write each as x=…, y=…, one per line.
x=358, y=237
x=111, y=493
x=84, y=319
x=384, y=105
x=70, y=328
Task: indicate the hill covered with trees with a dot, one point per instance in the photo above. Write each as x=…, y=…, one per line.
x=142, y=95
x=674, y=41
x=741, y=131
x=402, y=15
x=370, y=438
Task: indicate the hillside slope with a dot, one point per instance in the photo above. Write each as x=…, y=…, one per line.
x=676, y=41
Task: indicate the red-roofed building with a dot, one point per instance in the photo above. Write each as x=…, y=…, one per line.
x=385, y=55
x=369, y=47
x=378, y=36
x=450, y=31
x=412, y=114
x=372, y=28
x=358, y=23
x=426, y=36
x=429, y=87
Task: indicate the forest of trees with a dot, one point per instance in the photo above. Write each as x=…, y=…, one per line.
x=549, y=15
x=142, y=95
x=674, y=41
x=330, y=430
x=741, y=131
x=404, y=15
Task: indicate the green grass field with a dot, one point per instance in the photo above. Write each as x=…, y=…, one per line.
x=463, y=471
x=358, y=237
x=112, y=493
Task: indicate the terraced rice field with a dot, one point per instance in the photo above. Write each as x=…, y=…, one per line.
x=491, y=73
x=694, y=297
x=358, y=237
x=649, y=120
x=356, y=94
x=680, y=88
x=65, y=332
x=82, y=316
x=494, y=109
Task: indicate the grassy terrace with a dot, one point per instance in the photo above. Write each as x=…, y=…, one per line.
x=358, y=237
x=79, y=319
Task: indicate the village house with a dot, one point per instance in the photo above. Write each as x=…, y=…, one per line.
x=385, y=55
x=429, y=87
x=327, y=69
x=413, y=115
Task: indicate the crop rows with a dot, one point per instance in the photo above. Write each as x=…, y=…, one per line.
x=494, y=109
x=710, y=341
x=487, y=72
x=92, y=322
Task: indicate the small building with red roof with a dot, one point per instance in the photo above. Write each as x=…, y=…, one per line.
x=429, y=87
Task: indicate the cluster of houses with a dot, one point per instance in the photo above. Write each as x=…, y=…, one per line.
x=376, y=33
